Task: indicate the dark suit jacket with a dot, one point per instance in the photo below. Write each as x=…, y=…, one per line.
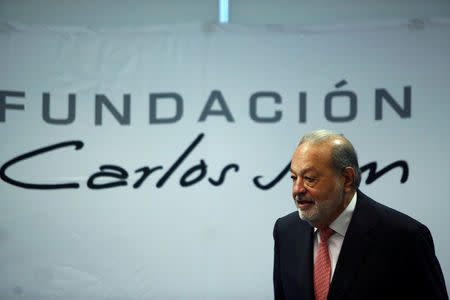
x=385, y=255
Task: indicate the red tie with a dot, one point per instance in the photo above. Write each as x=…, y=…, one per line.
x=322, y=266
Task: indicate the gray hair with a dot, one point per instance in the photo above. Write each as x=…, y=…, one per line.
x=342, y=155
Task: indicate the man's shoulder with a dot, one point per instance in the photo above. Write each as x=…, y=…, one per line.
x=289, y=217
x=290, y=221
x=389, y=217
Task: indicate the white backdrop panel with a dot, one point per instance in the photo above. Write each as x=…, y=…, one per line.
x=209, y=239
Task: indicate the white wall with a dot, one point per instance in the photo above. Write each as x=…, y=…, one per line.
x=140, y=12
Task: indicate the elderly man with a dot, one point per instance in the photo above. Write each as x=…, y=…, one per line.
x=341, y=244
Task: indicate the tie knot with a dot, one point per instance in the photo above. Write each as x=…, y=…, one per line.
x=325, y=234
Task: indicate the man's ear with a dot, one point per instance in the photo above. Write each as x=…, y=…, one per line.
x=348, y=174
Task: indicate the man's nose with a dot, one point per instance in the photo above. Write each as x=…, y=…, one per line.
x=298, y=187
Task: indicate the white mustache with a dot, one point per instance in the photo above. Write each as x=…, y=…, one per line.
x=299, y=198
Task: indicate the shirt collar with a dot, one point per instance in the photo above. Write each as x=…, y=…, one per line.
x=340, y=224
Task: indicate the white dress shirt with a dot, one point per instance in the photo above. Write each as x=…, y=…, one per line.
x=335, y=241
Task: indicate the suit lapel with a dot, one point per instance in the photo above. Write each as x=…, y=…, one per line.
x=356, y=245
x=302, y=264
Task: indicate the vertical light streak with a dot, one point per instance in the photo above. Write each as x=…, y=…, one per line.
x=223, y=11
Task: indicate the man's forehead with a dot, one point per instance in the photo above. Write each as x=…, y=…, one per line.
x=311, y=157
x=311, y=151
x=301, y=170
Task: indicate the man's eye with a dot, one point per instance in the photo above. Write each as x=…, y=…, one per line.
x=310, y=179
x=293, y=177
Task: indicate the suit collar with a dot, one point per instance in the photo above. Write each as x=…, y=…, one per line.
x=357, y=243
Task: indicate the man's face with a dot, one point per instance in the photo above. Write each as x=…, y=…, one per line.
x=317, y=190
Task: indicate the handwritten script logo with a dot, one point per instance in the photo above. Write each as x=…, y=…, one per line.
x=119, y=176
